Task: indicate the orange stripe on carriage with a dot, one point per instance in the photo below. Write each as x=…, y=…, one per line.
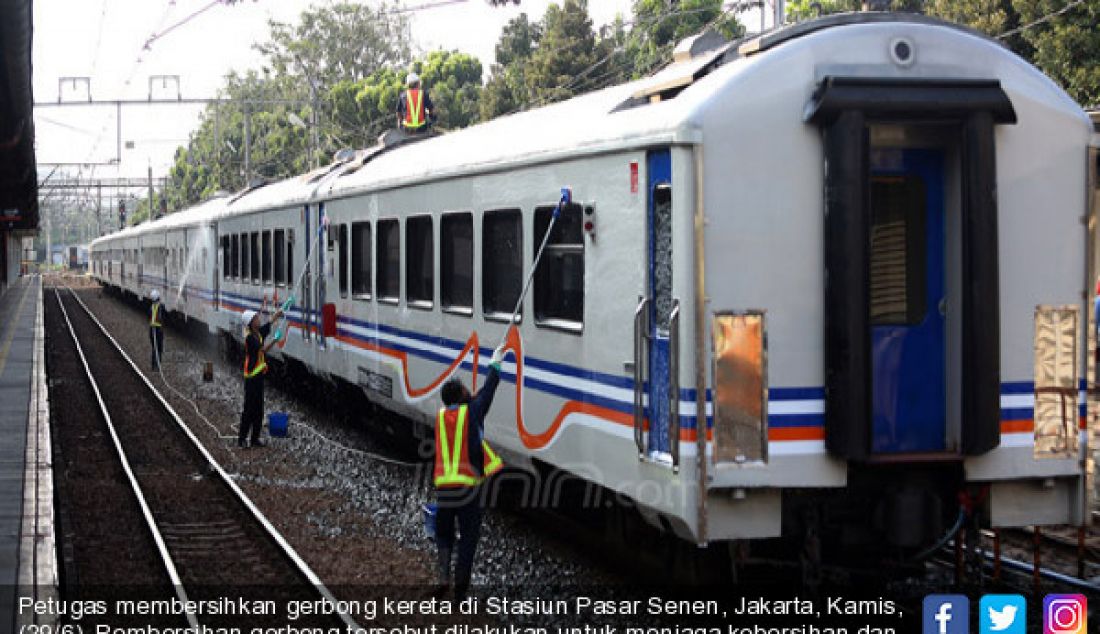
x=1026, y=426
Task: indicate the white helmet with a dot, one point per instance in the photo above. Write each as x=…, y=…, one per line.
x=155, y=295
x=246, y=317
x=412, y=79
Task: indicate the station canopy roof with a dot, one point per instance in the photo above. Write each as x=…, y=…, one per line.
x=18, y=176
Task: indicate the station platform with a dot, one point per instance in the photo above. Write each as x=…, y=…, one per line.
x=28, y=553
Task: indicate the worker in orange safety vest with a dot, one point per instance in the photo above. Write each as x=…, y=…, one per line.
x=156, y=329
x=255, y=367
x=463, y=461
x=415, y=111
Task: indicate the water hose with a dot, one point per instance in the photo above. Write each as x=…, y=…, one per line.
x=948, y=536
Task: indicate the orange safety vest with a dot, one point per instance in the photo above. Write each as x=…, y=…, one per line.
x=154, y=318
x=414, y=109
x=452, y=459
x=261, y=363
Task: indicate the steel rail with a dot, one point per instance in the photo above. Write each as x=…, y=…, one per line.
x=150, y=522
x=1024, y=567
x=284, y=546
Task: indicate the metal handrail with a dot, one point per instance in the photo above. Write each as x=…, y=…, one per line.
x=641, y=314
x=674, y=384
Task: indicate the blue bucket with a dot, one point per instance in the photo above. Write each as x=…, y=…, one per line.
x=428, y=511
x=277, y=423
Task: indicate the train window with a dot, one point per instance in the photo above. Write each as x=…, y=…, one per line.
x=235, y=258
x=501, y=262
x=456, y=262
x=265, y=256
x=290, y=258
x=388, y=263
x=245, y=259
x=279, y=246
x=559, y=281
x=342, y=259
x=254, y=256
x=227, y=255
x=360, y=260
x=898, y=266
x=419, y=262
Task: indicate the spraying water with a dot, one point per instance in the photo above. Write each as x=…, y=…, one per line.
x=194, y=250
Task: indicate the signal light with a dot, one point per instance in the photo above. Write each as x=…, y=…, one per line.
x=590, y=222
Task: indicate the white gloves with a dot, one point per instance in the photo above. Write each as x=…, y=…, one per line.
x=498, y=356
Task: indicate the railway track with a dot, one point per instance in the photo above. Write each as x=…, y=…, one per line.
x=212, y=541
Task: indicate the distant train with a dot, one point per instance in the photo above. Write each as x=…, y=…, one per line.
x=78, y=258
x=850, y=249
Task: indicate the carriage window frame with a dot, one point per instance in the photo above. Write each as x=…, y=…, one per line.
x=246, y=260
x=226, y=254
x=384, y=276
x=235, y=256
x=278, y=257
x=267, y=258
x=446, y=272
x=362, y=260
x=425, y=270
x=559, y=245
x=489, y=270
x=290, y=260
x=342, y=260
x=254, y=257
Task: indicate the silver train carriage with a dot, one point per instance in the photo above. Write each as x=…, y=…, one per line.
x=855, y=244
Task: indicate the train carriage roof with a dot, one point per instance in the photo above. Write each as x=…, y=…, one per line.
x=663, y=109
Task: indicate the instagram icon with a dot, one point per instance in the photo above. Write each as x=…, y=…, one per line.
x=1065, y=614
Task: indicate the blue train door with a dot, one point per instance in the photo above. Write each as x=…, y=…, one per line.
x=659, y=273
x=909, y=403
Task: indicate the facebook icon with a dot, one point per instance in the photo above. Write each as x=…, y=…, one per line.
x=946, y=614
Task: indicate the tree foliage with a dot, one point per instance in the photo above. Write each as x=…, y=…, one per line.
x=366, y=108
x=340, y=68
x=660, y=24
x=341, y=42
x=562, y=56
x=1067, y=46
x=1058, y=36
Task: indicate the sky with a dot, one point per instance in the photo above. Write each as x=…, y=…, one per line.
x=102, y=43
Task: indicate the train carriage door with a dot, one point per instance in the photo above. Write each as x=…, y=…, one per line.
x=659, y=283
x=907, y=302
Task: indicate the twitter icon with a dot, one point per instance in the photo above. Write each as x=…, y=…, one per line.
x=1003, y=614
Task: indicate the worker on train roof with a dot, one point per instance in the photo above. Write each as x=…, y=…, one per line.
x=415, y=112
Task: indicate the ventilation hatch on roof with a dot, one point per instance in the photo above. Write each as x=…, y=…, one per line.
x=693, y=58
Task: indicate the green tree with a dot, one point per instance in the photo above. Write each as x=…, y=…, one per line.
x=661, y=24
x=368, y=107
x=1065, y=43
x=339, y=42
x=567, y=48
x=506, y=90
x=307, y=64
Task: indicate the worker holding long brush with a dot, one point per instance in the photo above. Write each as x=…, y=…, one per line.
x=464, y=460
x=256, y=344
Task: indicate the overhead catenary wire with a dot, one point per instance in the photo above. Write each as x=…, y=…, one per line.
x=1042, y=20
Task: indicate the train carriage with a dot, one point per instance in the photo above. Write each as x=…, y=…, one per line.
x=850, y=249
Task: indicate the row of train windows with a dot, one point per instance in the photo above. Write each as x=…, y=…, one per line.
x=558, y=285
x=262, y=257
x=363, y=248
x=176, y=260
